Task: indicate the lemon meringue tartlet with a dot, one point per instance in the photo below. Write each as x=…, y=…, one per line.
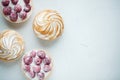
x=36, y=65
x=16, y=11
x=11, y=45
x=48, y=25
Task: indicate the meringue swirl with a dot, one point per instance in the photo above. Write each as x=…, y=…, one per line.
x=11, y=45
x=48, y=25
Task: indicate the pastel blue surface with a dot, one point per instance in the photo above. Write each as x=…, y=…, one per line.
x=89, y=48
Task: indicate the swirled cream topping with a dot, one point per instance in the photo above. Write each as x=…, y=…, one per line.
x=48, y=25
x=11, y=45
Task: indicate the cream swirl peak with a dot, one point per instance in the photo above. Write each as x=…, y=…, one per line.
x=11, y=45
x=48, y=25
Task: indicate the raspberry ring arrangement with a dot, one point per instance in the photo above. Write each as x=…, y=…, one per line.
x=16, y=11
x=36, y=65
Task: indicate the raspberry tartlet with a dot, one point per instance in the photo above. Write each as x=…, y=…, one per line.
x=16, y=11
x=11, y=45
x=36, y=65
x=48, y=25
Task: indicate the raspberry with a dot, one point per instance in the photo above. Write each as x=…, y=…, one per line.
x=7, y=10
x=5, y=2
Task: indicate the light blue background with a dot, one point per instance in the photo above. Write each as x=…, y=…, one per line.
x=89, y=48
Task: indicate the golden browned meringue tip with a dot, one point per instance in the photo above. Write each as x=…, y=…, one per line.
x=11, y=45
x=48, y=25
